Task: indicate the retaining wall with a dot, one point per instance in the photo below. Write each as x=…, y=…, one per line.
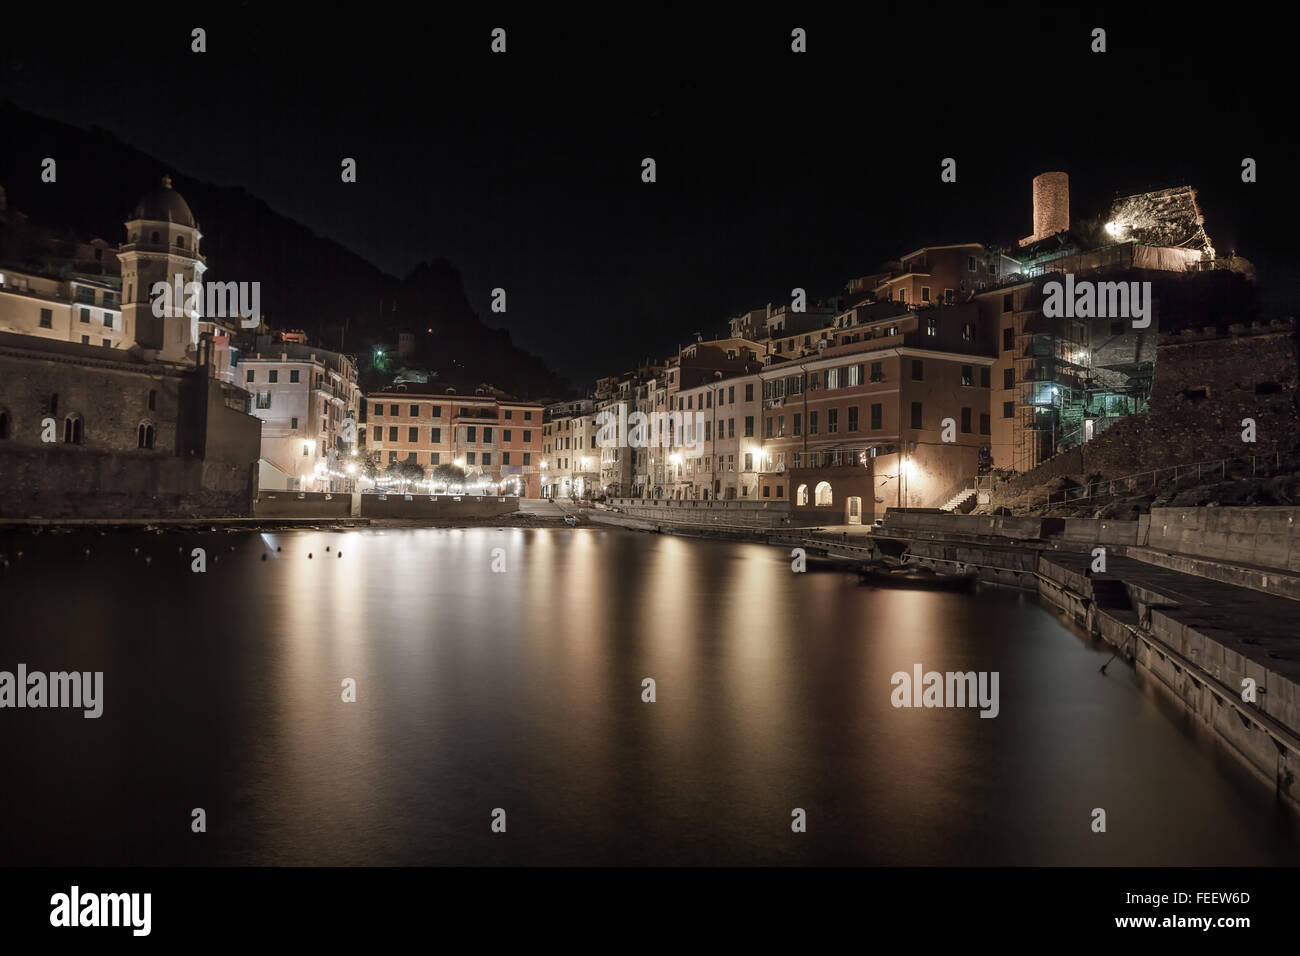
x=439, y=506
x=302, y=504
x=1268, y=537
x=749, y=514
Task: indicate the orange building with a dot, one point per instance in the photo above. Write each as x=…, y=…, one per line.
x=489, y=436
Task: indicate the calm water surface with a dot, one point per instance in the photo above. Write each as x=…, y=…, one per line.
x=522, y=691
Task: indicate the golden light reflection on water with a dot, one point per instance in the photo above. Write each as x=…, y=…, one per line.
x=523, y=689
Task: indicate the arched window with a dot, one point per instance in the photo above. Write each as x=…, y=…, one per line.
x=823, y=493
x=156, y=237
x=144, y=435
x=180, y=242
x=801, y=495
x=72, y=430
x=4, y=423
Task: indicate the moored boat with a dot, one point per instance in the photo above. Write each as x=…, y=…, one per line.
x=915, y=576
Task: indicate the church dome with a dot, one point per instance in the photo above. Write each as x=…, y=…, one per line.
x=165, y=205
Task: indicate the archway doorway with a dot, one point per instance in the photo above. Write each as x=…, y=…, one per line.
x=823, y=494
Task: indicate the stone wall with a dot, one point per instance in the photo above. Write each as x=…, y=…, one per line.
x=1206, y=382
x=748, y=514
x=440, y=506
x=300, y=504
x=202, y=462
x=66, y=481
x=1267, y=537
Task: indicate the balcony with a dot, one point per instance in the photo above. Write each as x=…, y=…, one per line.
x=232, y=396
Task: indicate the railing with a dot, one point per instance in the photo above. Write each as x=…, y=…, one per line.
x=964, y=484
x=680, y=504
x=1153, y=479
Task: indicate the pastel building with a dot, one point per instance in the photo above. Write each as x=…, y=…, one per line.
x=308, y=400
x=489, y=436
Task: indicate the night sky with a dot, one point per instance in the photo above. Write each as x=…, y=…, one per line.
x=775, y=170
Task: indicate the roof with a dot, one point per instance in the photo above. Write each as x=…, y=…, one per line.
x=165, y=205
x=950, y=245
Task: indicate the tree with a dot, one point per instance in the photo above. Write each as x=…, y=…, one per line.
x=447, y=475
x=405, y=471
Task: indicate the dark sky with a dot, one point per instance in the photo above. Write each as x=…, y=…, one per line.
x=775, y=169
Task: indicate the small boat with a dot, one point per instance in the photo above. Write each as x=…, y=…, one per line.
x=823, y=562
x=915, y=576
x=571, y=520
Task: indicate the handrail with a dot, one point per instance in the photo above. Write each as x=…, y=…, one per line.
x=1085, y=492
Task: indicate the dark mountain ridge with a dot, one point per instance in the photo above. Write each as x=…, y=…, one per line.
x=307, y=282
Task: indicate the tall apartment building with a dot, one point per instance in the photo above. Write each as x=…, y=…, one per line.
x=493, y=438
x=894, y=413
x=82, y=309
x=713, y=446
x=571, y=455
x=305, y=397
